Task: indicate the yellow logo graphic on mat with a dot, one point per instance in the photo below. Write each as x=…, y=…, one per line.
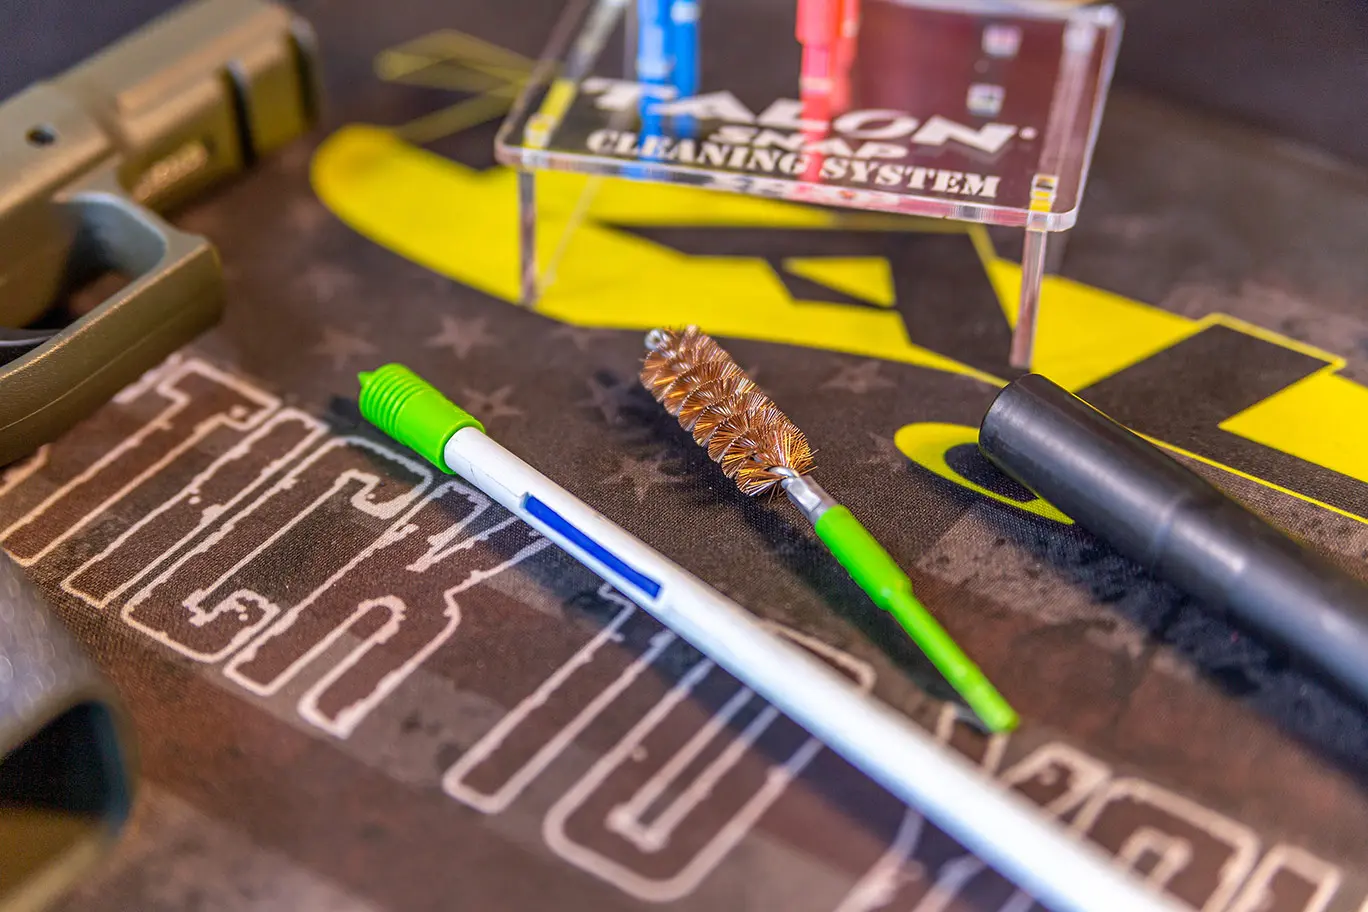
x=462, y=223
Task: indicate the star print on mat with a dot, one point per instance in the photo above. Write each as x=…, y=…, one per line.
x=886, y=453
x=341, y=347
x=582, y=337
x=611, y=399
x=644, y=474
x=858, y=378
x=462, y=336
x=327, y=283
x=307, y=215
x=488, y=406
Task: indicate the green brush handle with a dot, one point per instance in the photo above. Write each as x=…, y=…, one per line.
x=883, y=580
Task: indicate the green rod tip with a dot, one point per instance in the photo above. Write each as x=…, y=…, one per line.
x=997, y=715
x=412, y=411
x=888, y=587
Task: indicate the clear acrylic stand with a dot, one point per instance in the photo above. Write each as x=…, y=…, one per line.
x=972, y=110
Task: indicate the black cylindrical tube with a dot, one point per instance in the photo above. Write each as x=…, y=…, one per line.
x=1149, y=507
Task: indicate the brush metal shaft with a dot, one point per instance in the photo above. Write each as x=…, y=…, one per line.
x=807, y=495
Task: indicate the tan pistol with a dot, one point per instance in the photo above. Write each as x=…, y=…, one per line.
x=88, y=159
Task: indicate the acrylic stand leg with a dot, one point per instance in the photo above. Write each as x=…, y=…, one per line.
x=527, y=236
x=1032, y=271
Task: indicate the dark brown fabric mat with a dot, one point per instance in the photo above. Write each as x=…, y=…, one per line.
x=358, y=687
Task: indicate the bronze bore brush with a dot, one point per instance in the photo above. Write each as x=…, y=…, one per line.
x=743, y=431
x=759, y=448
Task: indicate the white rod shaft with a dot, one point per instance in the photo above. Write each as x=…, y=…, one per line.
x=1042, y=859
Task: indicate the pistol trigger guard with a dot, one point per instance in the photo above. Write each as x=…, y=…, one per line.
x=176, y=292
x=124, y=235
x=15, y=343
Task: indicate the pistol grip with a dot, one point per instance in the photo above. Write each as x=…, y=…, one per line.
x=67, y=756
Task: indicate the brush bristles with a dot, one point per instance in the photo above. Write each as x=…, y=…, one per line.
x=742, y=430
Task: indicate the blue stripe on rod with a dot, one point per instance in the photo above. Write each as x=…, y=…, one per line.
x=553, y=520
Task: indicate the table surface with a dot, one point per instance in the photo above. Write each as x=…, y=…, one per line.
x=359, y=687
